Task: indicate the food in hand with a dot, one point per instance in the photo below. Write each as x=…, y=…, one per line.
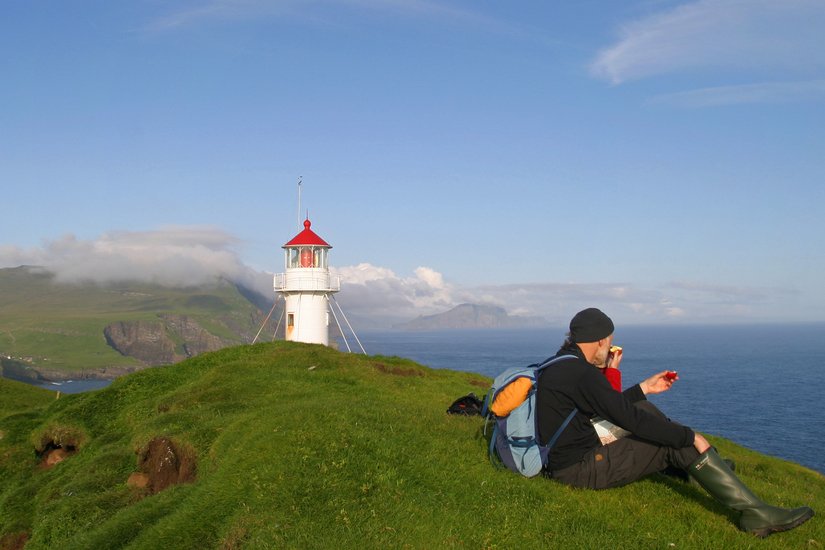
x=612, y=354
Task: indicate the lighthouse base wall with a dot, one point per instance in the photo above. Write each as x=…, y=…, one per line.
x=307, y=318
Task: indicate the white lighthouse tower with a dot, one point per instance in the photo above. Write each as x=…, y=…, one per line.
x=306, y=287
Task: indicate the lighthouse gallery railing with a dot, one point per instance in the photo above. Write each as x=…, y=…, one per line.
x=307, y=280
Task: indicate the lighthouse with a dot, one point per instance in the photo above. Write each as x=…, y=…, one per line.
x=306, y=287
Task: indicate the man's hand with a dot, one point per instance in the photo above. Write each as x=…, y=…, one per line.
x=614, y=357
x=657, y=383
x=700, y=443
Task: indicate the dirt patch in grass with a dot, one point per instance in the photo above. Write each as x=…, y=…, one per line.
x=14, y=541
x=56, y=444
x=163, y=463
x=55, y=454
x=397, y=371
x=480, y=383
x=235, y=539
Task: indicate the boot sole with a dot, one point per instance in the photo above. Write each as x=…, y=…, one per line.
x=762, y=533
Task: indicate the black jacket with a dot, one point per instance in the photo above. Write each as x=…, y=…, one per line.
x=575, y=383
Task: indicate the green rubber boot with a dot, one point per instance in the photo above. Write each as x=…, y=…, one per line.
x=682, y=475
x=757, y=518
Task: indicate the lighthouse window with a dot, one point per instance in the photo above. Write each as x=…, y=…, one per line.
x=307, y=257
x=292, y=258
x=290, y=319
x=320, y=258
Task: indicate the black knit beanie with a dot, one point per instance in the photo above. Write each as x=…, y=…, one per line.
x=590, y=325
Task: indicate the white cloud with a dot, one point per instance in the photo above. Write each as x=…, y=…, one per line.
x=765, y=92
x=221, y=10
x=558, y=302
x=431, y=277
x=320, y=10
x=361, y=274
x=376, y=297
x=755, y=36
x=170, y=256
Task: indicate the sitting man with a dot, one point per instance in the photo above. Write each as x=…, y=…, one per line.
x=656, y=443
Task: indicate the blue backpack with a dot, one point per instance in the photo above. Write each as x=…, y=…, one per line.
x=515, y=438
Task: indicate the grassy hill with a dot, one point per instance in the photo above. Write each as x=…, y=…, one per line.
x=59, y=328
x=287, y=445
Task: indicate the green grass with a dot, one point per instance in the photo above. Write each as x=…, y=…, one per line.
x=301, y=446
x=17, y=397
x=60, y=327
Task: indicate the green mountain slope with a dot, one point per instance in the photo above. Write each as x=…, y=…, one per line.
x=72, y=330
x=287, y=445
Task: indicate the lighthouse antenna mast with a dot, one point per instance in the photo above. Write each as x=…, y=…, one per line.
x=299, y=202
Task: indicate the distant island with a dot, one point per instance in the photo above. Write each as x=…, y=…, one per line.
x=467, y=316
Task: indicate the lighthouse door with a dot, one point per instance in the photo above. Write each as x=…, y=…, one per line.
x=290, y=326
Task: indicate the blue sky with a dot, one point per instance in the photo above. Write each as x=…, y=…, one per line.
x=662, y=160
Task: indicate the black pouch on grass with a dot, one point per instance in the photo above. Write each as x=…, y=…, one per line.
x=469, y=405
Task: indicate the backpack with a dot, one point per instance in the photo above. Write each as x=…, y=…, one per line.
x=468, y=405
x=511, y=406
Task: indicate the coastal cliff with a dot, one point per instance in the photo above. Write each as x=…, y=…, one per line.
x=170, y=339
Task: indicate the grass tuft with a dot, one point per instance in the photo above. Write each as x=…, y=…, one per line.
x=58, y=436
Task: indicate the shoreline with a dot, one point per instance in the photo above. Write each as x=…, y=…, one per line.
x=20, y=372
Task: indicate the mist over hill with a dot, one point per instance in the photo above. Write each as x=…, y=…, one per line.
x=171, y=256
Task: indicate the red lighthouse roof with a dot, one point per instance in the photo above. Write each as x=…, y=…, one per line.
x=307, y=237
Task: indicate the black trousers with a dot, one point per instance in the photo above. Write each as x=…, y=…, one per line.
x=625, y=460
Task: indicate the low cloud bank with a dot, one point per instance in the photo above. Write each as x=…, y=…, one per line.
x=375, y=297
x=170, y=256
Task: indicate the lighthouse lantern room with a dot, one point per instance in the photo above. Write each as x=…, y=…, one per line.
x=306, y=287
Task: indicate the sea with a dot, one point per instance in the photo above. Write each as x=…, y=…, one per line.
x=757, y=385
x=71, y=386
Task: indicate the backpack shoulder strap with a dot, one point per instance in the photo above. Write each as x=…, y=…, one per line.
x=569, y=416
x=561, y=428
x=554, y=360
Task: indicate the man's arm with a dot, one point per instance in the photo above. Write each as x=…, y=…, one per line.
x=659, y=383
x=619, y=409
